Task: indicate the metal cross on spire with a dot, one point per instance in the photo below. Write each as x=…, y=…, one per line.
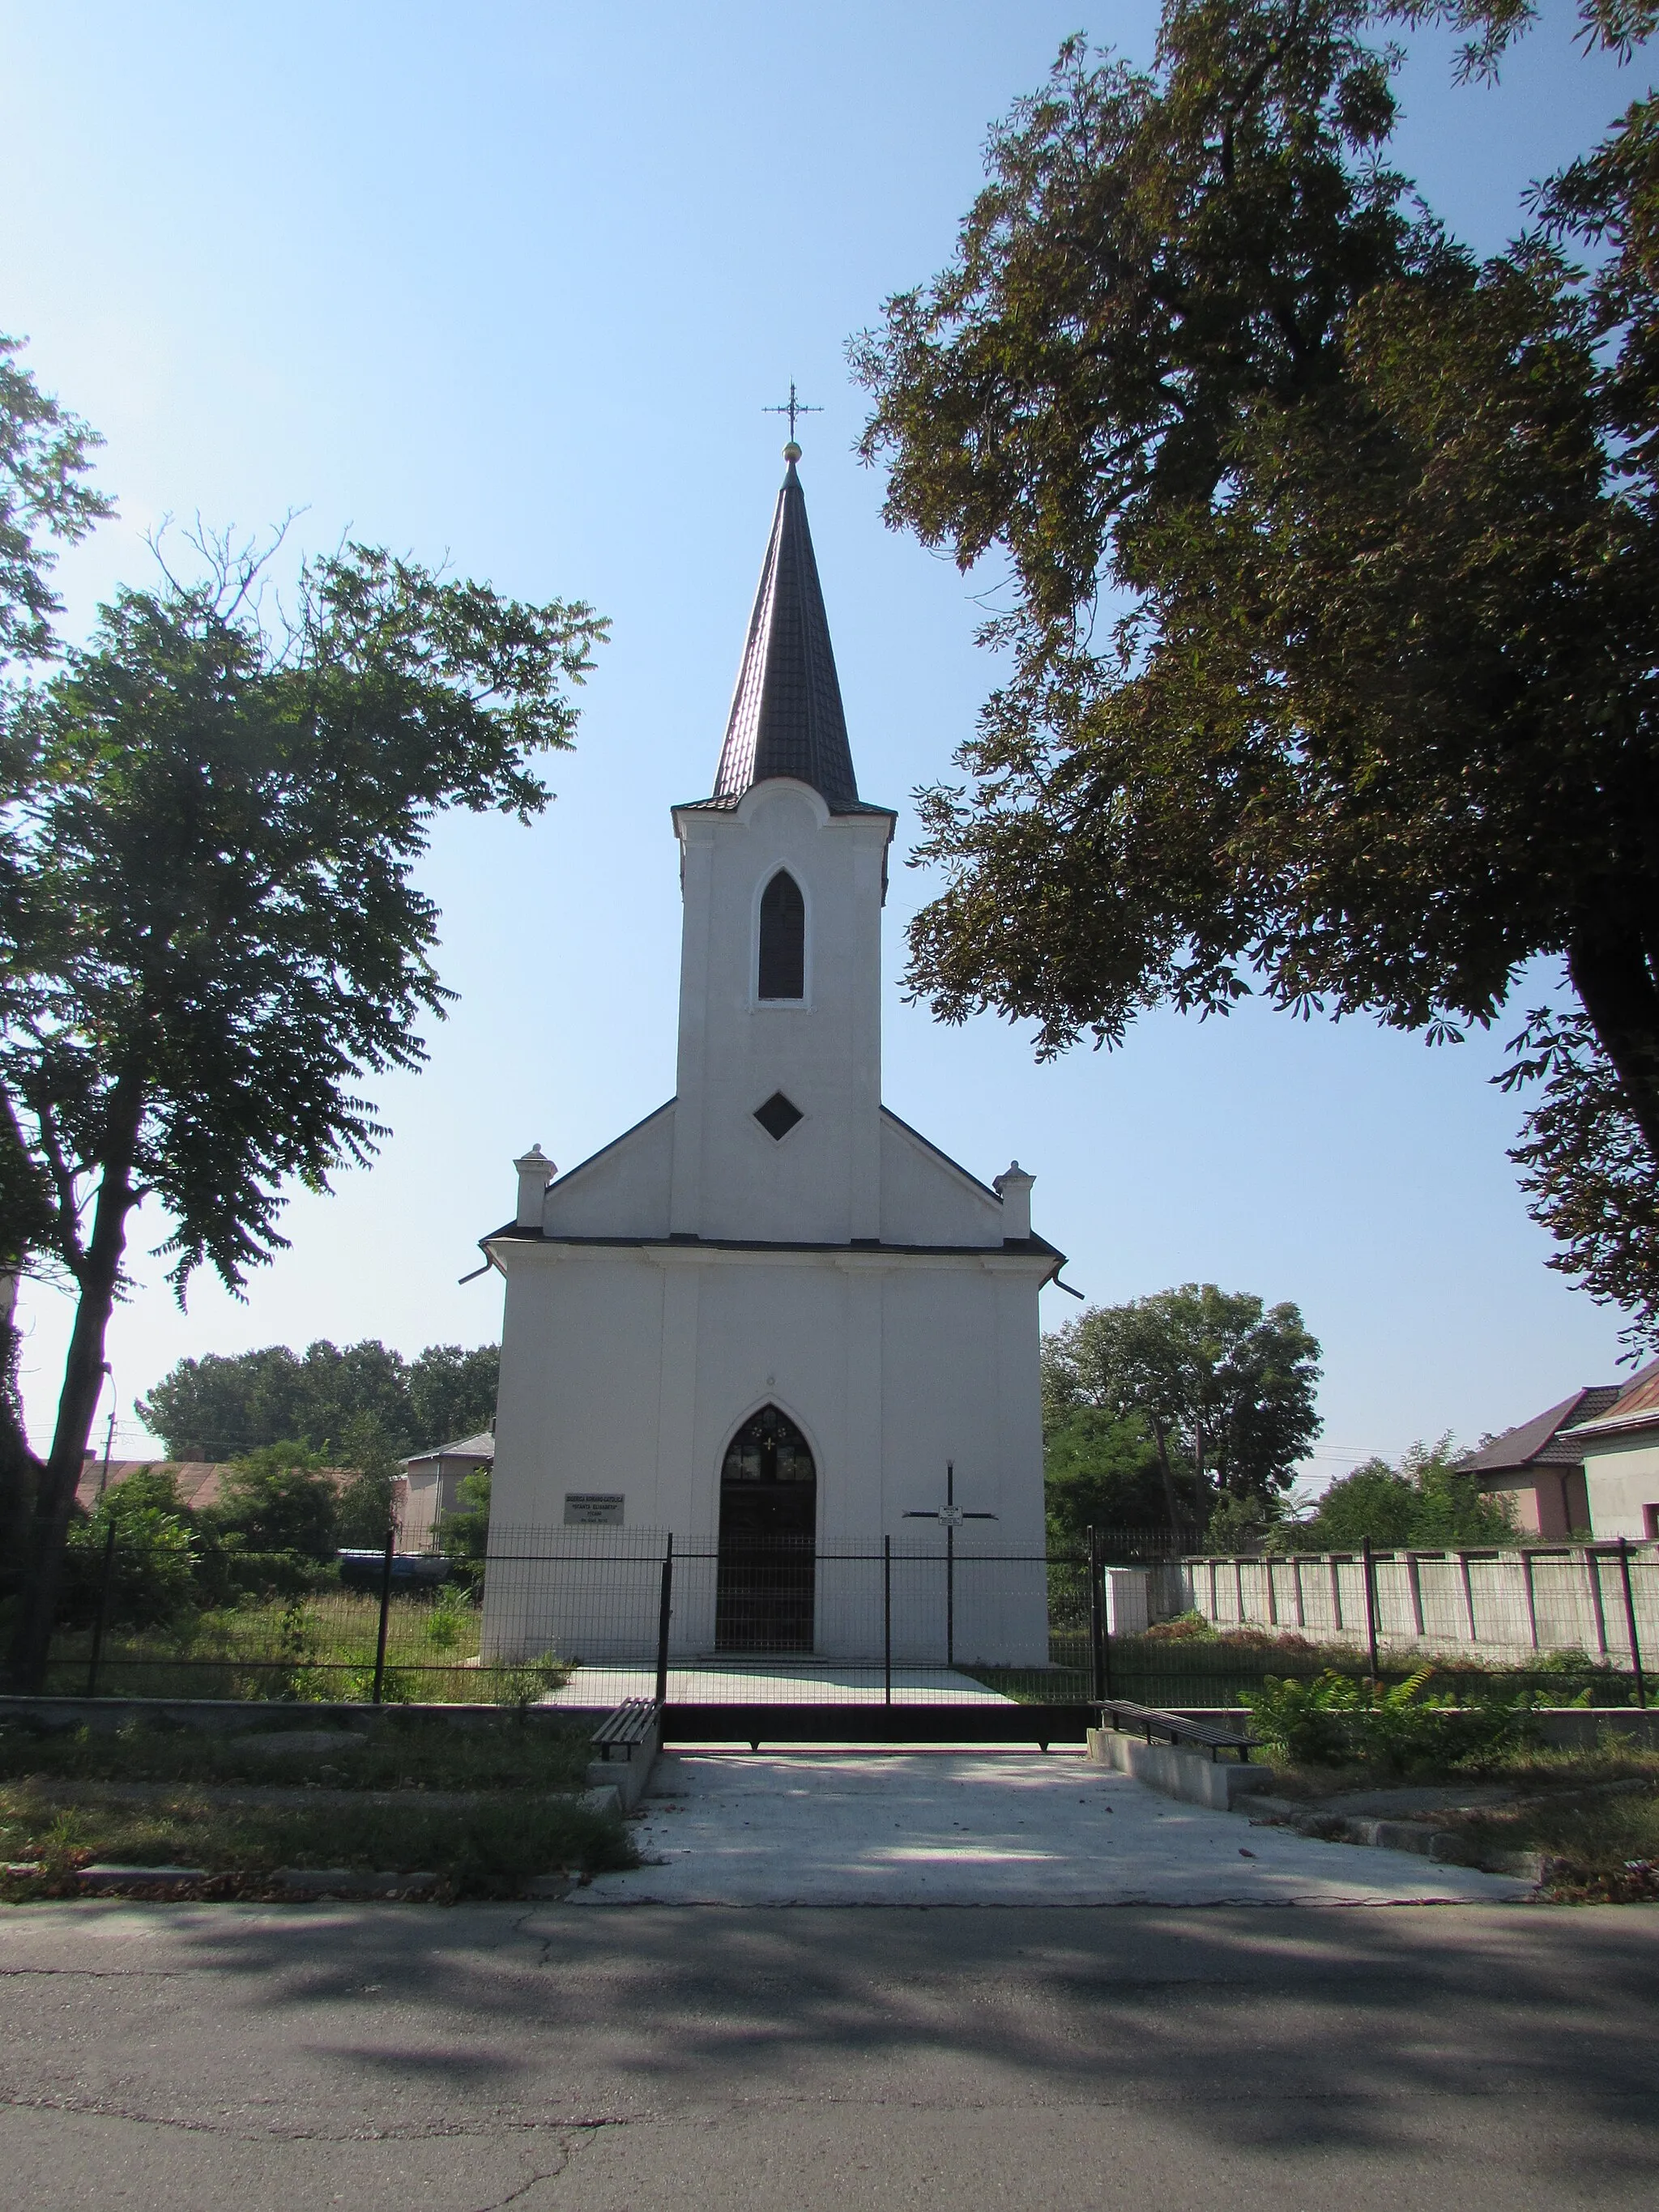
x=792, y=407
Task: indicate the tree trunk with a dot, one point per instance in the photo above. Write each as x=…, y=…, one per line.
x=1200, y=1483
x=1612, y=975
x=77, y=1404
x=1168, y=1473
x=20, y=1470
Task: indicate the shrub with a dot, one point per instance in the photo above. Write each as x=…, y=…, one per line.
x=1238, y=1525
x=275, y=1500
x=152, y=1570
x=1340, y=1720
x=450, y=1618
x=1183, y=1628
x=531, y=1680
x=1428, y=1501
x=465, y=1534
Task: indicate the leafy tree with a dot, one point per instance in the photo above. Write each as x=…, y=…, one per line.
x=1239, y=1524
x=365, y=1503
x=211, y=936
x=152, y=1570
x=46, y=453
x=146, y=1490
x=466, y=1531
x=1428, y=1501
x=216, y=1407
x=1100, y=1470
x=1225, y=1388
x=452, y=1393
x=276, y=1500
x=1333, y=576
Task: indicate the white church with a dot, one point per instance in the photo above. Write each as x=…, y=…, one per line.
x=765, y=1321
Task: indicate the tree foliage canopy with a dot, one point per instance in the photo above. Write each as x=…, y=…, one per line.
x=44, y=455
x=275, y=1500
x=211, y=933
x=1222, y=1386
x=1333, y=576
x=1428, y=1501
x=1101, y=1470
x=219, y=1407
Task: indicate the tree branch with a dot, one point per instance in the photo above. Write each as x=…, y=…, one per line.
x=68, y=1208
x=1610, y=975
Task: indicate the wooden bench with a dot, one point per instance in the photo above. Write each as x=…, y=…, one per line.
x=1146, y=1720
x=620, y=1735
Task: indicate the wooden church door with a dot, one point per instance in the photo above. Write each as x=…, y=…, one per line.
x=767, y=1539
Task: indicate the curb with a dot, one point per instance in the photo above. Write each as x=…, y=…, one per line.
x=1416, y=1837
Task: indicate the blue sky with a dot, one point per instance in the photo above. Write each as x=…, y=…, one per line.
x=510, y=285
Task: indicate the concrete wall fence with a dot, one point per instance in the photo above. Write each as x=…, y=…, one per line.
x=1497, y=1604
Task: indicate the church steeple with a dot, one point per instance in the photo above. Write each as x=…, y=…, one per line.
x=787, y=717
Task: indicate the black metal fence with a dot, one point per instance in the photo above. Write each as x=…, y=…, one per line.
x=588, y=1617
x=143, y=1620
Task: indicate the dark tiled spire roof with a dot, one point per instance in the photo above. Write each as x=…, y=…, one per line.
x=787, y=717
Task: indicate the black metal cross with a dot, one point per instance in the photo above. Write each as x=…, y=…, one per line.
x=951, y=1517
x=791, y=408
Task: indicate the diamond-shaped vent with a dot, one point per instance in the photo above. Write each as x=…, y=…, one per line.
x=778, y=1116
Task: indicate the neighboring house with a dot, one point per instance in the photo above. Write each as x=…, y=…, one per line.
x=197, y=1478
x=1539, y=1466
x=432, y=1486
x=1620, y=1446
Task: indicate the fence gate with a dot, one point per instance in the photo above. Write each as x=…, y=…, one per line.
x=929, y=1639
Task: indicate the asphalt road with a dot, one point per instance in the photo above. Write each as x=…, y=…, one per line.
x=252, y=2059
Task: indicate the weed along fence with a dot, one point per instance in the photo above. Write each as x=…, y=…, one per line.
x=939, y=1635
x=362, y=1627
x=1600, y=1600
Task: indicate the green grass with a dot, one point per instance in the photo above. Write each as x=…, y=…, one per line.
x=67, y=1799
x=1190, y=1663
x=318, y=1647
x=1594, y=1819
x=400, y=1751
x=1592, y=1813
x=489, y=1848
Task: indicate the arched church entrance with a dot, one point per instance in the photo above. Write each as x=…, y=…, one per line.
x=768, y=1538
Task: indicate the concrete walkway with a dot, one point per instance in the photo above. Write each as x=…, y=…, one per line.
x=781, y=1682
x=988, y=1827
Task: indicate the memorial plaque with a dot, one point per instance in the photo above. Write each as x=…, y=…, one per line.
x=593, y=1508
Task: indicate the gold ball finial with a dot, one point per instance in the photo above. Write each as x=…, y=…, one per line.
x=791, y=452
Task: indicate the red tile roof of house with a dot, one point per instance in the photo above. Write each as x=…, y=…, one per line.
x=1636, y=1404
x=198, y=1480
x=1550, y=1439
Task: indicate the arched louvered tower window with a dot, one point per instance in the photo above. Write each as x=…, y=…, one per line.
x=782, y=938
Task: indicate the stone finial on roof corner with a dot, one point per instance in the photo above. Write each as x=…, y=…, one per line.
x=535, y=1172
x=1013, y=1187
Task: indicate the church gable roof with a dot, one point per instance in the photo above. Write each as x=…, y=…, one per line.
x=929, y=1198
x=622, y=1189
x=787, y=717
